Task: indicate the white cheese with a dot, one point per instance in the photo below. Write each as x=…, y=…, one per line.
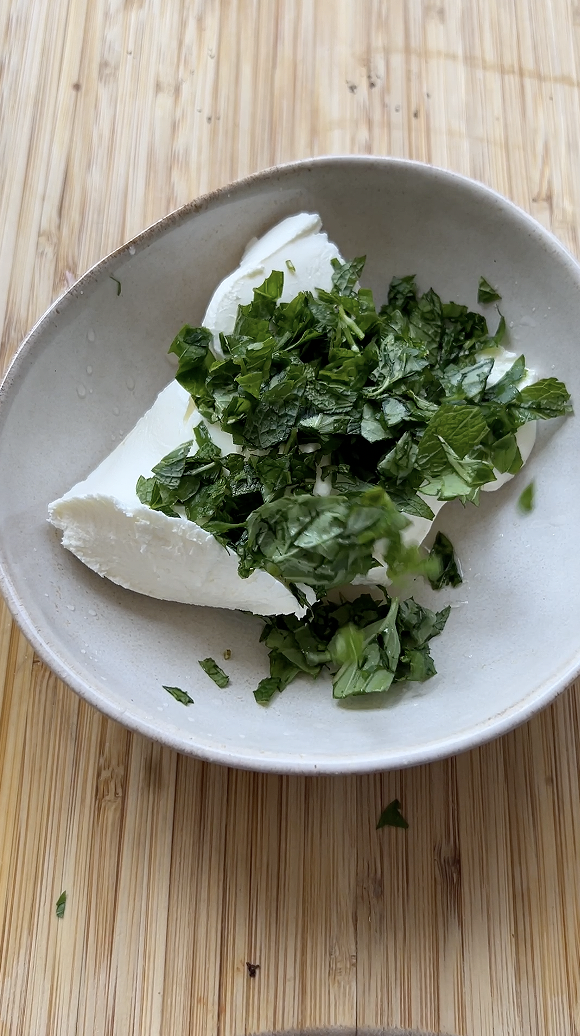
x=102, y=520
x=106, y=526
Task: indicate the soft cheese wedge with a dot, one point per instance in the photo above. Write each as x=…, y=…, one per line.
x=102, y=520
x=106, y=526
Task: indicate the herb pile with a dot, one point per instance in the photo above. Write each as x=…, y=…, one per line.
x=346, y=419
x=366, y=644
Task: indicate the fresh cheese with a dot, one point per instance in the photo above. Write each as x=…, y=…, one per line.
x=102, y=520
x=106, y=526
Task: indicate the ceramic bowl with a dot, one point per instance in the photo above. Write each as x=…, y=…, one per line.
x=95, y=362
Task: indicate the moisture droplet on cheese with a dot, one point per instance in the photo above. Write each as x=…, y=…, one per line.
x=103, y=521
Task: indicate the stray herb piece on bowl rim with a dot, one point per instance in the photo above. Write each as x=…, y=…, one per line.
x=392, y=816
x=346, y=419
x=179, y=695
x=210, y=666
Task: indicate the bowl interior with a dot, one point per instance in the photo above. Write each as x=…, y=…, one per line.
x=95, y=363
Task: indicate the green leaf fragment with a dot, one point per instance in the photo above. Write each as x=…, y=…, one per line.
x=61, y=904
x=210, y=666
x=526, y=500
x=542, y=401
x=485, y=292
x=266, y=690
x=392, y=816
x=449, y=571
x=179, y=695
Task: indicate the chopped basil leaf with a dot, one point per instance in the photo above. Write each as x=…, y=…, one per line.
x=449, y=572
x=213, y=670
x=485, y=292
x=61, y=904
x=179, y=695
x=526, y=498
x=392, y=816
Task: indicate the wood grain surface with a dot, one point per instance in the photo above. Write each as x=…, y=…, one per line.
x=112, y=113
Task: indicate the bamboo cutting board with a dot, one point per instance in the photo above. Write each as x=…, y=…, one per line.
x=112, y=113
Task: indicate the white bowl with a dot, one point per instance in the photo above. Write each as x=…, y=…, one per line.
x=95, y=362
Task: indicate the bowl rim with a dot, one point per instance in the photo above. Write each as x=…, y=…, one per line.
x=471, y=737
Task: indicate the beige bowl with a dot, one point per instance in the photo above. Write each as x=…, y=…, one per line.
x=95, y=363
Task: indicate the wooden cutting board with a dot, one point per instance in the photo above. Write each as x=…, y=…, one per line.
x=178, y=873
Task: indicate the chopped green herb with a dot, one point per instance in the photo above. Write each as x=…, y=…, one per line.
x=365, y=644
x=290, y=266
x=61, y=904
x=392, y=816
x=117, y=282
x=526, y=499
x=179, y=695
x=384, y=407
x=449, y=572
x=213, y=670
x=485, y=292
x=266, y=689
x=227, y=655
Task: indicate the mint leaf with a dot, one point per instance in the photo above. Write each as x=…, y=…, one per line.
x=449, y=572
x=460, y=427
x=401, y=460
x=402, y=293
x=542, y=401
x=371, y=427
x=485, y=292
x=505, y=454
x=213, y=670
x=466, y=382
x=179, y=695
x=266, y=690
x=170, y=469
x=192, y=346
x=346, y=275
x=526, y=498
x=61, y=904
x=392, y=816
x=505, y=390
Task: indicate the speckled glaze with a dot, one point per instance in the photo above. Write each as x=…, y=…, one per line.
x=95, y=362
